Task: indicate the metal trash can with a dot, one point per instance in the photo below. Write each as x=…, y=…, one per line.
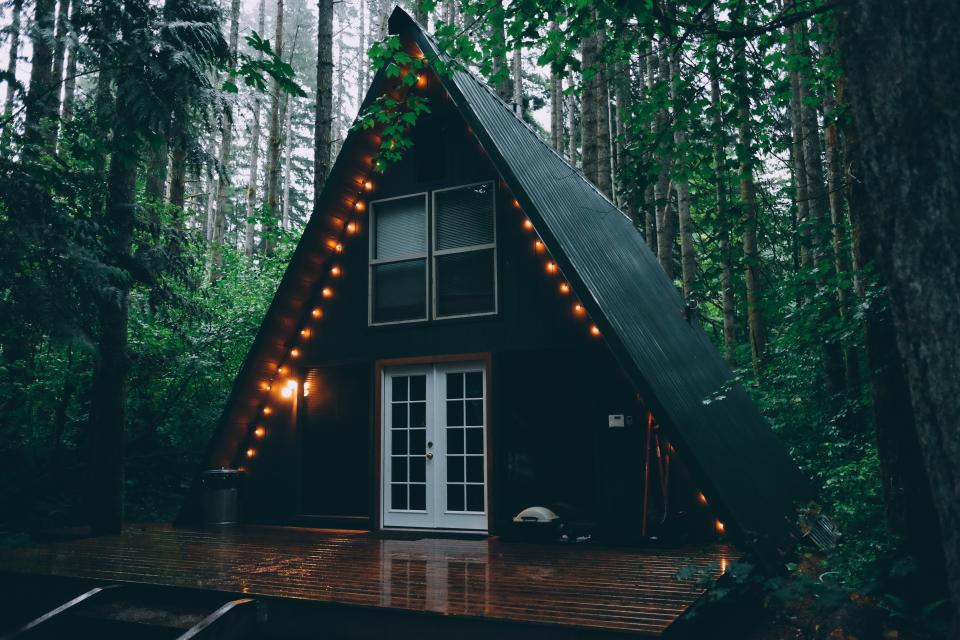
x=221, y=497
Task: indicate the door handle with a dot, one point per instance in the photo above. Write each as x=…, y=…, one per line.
x=429, y=455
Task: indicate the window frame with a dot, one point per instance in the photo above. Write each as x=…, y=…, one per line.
x=435, y=253
x=373, y=262
x=430, y=256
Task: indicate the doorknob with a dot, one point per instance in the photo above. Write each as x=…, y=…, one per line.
x=429, y=455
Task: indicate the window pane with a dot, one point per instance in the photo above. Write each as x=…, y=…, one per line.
x=399, y=469
x=455, y=469
x=399, y=291
x=465, y=283
x=399, y=388
x=454, y=440
x=475, y=469
x=418, y=387
x=418, y=415
x=454, y=413
x=474, y=384
x=454, y=385
x=399, y=416
x=464, y=216
x=475, y=440
x=418, y=497
x=399, y=442
x=418, y=442
x=401, y=228
x=474, y=413
x=418, y=469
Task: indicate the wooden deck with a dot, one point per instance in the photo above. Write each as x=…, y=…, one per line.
x=585, y=587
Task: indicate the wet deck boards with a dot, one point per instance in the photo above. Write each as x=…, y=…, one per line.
x=584, y=587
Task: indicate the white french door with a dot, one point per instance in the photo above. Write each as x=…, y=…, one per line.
x=434, y=465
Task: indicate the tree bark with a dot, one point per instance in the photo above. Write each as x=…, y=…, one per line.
x=41, y=96
x=748, y=204
x=14, y=52
x=588, y=108
x=604, y=140
x=70, y=81
x=517, y=71
x=324, y=113
x=720, y=196
x=503, y=83
x=650, y=193
x=273, y=148
x=155, y=181
x=362, y=56
x=666, y=223
x=572, y=134
x=688, y=259
x=178, y=175
x=59, y=54
x=250, y=226
x=287, y=153
x=901, y=61
x=219, y=226
x=556, y=100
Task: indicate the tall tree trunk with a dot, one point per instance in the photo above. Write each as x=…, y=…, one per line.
x=155, y=181
x=70, y=81
x=420, y=13
x=650, y=192
x=14, y=52
x=517, y=72
x=627, y=193
x=59, y=55
x=556, y=100
x=178, y=174
x=588, y=108
x=108, y=386
x=498, y=43
x=572, y=135
x=823, y=258
x=688, y=259
x=666, y=223
x=604, y=154
x=362, y=55
x=720, y=196
x=250, y=226
x=41, y=96
x=287, y=153
x=748, y=204
x=324, y=109
x=801, y=197
x=900, y=58
x=273, y=148
x=219, y=225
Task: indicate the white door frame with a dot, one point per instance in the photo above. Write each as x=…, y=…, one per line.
x=436, y=515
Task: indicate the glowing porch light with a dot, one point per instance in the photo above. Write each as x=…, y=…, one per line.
x=564, y=288
x=327, y=292
x=317, y=312
x=259, y=432
x=594, y=330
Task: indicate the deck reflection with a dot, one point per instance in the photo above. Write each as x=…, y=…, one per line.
x=581, y=586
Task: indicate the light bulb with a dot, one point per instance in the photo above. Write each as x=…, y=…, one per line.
x=259, y=432
x=317, y=312
x=251, y=452
x=564, y=288
x=335, y=271
x=327, y=292
x=551, y=267
x=527, y=224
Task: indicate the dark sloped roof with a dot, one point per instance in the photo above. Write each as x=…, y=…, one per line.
x=745, y=470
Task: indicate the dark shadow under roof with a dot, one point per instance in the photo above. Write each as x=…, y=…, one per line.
x=744, y=468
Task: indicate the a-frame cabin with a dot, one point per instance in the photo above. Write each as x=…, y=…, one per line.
x=478, y=330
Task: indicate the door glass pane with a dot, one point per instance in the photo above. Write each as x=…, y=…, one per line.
x=418, y=469
x=400, y=228
x=474, y=384
x=399, y=388
x=474, y=468
x=399, y=467
x=455, y=498
x=418, y=415
x=455, y=469
x=399, y=410
x=454, y=385
x=418, y=442
x=418, y=387
x=398, y=496
x=399, y=444
x=418, y=497
x=475, y=497
x=399, y=291
x=464, y=216
x=474, y=417
x=454, y=441
x=455, y=413
x=475, y=440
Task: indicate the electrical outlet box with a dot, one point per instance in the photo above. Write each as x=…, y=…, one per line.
x=615, y=420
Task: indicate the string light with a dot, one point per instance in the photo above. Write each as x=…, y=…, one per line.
x=551, y=267
x=367, y=185
x=294, y=353
x=338, y=248
x=538, y=246
x=305, y=332
x=317, y=312
x=335, y=271
x=352, y=227
x=267, y=411
x=719, y=526
x=282, y=370
x=516, y=203
x=359, y=206
x=259, y=432
x=251, y=452
x=327, y=292
x=594, y=330
x=702, y=499
x=527, y=224
x=421, y=80
x=564, y=288
x=578, y=310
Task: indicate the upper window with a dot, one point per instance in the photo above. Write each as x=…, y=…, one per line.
x=457, y=262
